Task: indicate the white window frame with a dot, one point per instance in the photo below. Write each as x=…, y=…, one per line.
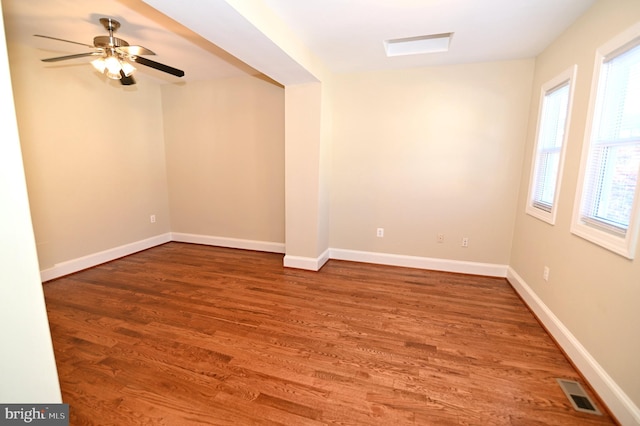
x=625, y=243
x=567, y=77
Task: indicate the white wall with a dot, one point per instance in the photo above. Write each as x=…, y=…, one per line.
x=27, y=365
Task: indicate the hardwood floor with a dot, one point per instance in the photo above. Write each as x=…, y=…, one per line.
x=187, y=334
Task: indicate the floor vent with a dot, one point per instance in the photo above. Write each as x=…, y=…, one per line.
x=578, y=397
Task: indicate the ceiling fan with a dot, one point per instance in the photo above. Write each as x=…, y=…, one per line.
x=115, y=55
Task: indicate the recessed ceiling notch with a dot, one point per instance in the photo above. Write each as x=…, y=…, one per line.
x=432, y=43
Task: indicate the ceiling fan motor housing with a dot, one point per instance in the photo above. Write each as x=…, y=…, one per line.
x=106, y=42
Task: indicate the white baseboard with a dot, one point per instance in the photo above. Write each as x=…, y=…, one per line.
x=476, y=268
x=91, y=260
x=620, y=405
x=228, y=242
x=308, y=263
x=69, y=267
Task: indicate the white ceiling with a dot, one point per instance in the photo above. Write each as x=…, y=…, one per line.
x=347, y=35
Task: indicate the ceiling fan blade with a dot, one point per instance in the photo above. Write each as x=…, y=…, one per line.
x=126, y=81
x=158, y=66
x=66, y=41
x=134, y=50
x=77, y=55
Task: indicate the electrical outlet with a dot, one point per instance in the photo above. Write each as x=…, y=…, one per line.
x=152, y=218
x=465, y=242
x=380, y=232
x=440, y=238
x=545, y=273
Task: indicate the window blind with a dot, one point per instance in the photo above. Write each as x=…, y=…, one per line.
x=614, y=159
x=550, y=138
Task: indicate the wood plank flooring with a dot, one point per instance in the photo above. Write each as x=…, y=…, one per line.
x=185, y=334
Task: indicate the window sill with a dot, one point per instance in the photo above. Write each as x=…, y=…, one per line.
x=624, y=246
x=545, y=216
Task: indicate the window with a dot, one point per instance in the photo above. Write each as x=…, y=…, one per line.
x=607, y=207
x=553, y=124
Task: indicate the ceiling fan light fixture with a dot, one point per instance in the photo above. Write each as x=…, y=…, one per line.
x=113, y=65
x=113, y=76
x=127, y=68
x=418, y=45
x=99, y=65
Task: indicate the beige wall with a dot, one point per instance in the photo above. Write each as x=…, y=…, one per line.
x=427, y=151
x=94, y=157
x=225, y=158
x=592, y=291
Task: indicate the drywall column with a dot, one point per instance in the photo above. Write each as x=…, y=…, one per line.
x=303, y=123
x=251, y=32
x=27, y=365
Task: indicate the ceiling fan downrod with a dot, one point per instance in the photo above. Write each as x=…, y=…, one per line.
x=110, y=25
x=109, y=42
